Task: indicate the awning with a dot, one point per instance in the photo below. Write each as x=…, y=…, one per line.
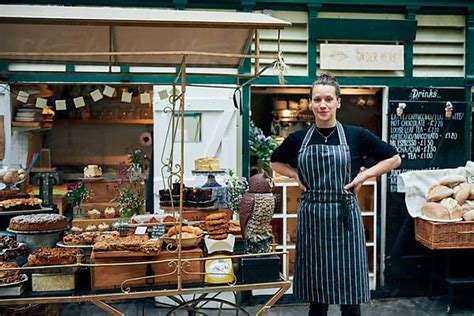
x=134, y=35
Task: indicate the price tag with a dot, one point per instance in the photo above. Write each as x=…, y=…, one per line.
x=140, y=230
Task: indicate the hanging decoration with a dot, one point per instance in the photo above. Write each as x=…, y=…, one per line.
x=108, y=91
x=96, y=95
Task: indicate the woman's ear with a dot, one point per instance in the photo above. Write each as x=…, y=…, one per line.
x=338, y=102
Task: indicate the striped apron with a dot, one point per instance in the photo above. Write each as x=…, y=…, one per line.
x=331, y=265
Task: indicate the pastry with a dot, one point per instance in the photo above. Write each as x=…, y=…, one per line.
x=20, y=204
x=76, y=229
x=186, y=229
x=462, y=192
x=438, y=192
x=9, y=276
x=452, y=180
x=103, y=227
x=206, y=164
x=109, y=212
x=435, y=210
x=168, y=218
x=129, y=243
x=38, y=222
x=91, y=228
x=52, y=256
x=449, y=203
x=94, y=214
x=234, y=227
x=87, y=238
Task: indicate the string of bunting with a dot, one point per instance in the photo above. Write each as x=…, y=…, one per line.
x=96, y=95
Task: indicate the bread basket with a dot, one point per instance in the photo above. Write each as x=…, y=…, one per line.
x=185, y=242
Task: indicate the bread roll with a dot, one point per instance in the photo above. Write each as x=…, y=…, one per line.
x=452, y=180
x=462, y=192
x=469, y=216
x=467, y=206
x=438, y=192
x=449, y=203
x=434, y=210
x=471, y=195
x=455, y=212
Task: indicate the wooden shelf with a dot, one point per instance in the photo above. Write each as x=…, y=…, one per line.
x=105, y=122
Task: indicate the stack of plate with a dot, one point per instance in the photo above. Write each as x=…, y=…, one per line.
x=28, y=115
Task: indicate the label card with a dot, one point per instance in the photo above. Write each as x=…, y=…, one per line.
x=96, y=95
x=79, y=102
x=140, y=230
x=23, y=96
x=60, y=105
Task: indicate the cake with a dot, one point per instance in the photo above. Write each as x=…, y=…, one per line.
x=206, y=164
x=20, y=204
x=52, y=256
x=38, y=222
x=103, y=227
x=92, y=171
x=94, y=213
x=109, y=212
x=87, y=238
x=11, y=276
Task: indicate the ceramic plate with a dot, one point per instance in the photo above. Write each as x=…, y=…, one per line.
x=24, y=119
x=24, y=278
x=441, y=220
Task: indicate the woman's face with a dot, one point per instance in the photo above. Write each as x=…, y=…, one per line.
x=324, y=104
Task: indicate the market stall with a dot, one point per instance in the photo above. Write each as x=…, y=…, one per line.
x=135, y=265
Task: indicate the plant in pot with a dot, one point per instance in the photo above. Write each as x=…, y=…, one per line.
x=77, y=193
x=130, y=196
x=261, y=148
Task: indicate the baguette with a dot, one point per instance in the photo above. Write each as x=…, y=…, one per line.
x=462, y=192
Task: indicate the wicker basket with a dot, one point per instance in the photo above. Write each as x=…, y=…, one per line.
x=434, y=235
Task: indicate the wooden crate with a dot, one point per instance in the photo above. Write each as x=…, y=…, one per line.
x=110, y=277
x=102, y=190
x=435, y=235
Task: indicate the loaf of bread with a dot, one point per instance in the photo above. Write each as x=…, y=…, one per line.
x=449, y=203
x=467, y=206
x=452, y=180
x=52, y=256
x=462, y=192
x=435, y=210
x=438, y=192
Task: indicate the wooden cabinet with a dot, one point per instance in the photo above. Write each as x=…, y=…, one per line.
x=285, y=217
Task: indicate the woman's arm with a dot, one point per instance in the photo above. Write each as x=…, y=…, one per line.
x=286, y=170
x=378, y=169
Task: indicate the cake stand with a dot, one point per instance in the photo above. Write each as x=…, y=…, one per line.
x=211, y=177
x=39, y=238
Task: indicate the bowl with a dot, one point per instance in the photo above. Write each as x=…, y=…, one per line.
x=185, y=242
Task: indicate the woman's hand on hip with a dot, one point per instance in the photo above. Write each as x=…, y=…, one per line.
x=356, y=184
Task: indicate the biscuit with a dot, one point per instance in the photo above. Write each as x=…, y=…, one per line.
x=216, y=216
x=218, y=237
x=220, y=226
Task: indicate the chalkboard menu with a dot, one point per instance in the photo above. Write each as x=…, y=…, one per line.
x=426, y=126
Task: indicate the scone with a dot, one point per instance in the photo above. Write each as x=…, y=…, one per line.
x=91, y=228
x=103, y=227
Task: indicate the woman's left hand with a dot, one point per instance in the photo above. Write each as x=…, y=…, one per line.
x=356, y=184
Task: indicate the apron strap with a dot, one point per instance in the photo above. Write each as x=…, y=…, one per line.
x=341, y=134
x=307, y=138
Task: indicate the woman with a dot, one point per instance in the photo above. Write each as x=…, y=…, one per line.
x=331, y=265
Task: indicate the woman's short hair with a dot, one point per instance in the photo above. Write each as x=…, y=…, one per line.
x=326, y=79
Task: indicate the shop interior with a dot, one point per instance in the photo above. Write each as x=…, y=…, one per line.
x=83, y=125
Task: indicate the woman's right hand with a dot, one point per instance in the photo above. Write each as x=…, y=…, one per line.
x=300, y=185
x=288, y=171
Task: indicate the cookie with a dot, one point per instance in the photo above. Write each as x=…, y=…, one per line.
x=216, y=216
x=216, y=222
x=218, y=231
x=220, y=226
x=218, y=237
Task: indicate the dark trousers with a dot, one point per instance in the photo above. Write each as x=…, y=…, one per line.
x=319, y=309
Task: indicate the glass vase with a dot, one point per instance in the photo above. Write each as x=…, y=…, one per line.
x=78, y=211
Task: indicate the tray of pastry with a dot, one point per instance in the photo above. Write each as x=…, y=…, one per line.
x=24, y=212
